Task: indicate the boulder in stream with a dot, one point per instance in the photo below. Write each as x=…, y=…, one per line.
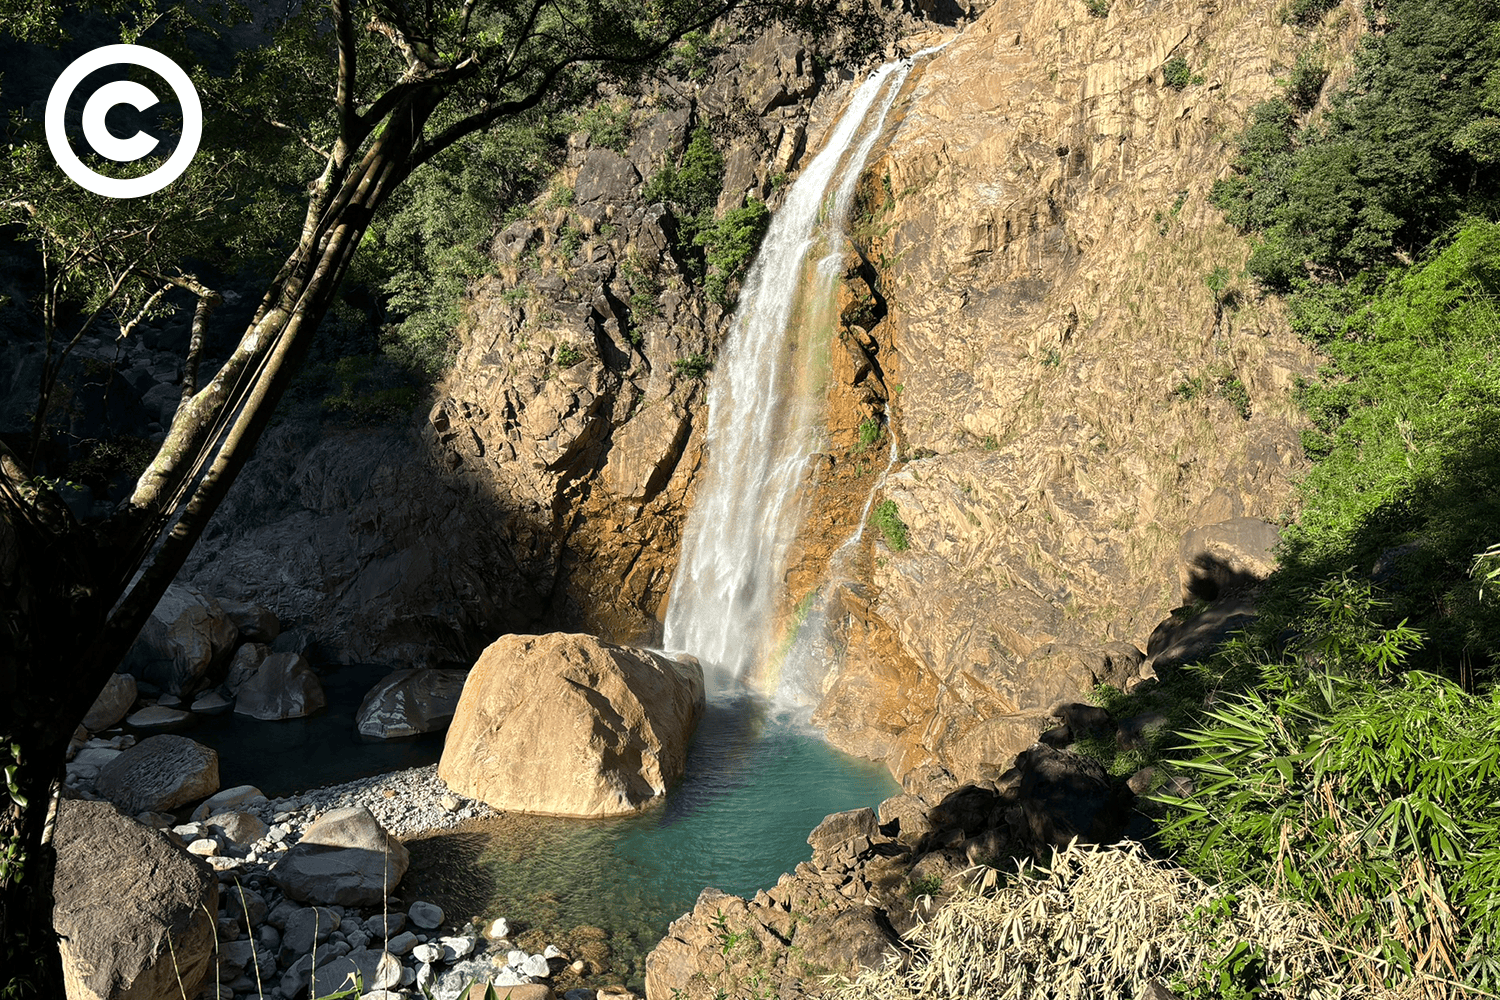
x=570, y=725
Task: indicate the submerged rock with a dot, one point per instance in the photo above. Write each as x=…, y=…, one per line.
x=573, y=726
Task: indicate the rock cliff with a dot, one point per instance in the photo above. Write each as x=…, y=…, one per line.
x=1078, y=372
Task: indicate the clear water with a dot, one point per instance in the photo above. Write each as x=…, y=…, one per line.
x=757, y=781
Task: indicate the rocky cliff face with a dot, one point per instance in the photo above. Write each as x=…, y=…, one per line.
x=548, y=484
x=1077, y=369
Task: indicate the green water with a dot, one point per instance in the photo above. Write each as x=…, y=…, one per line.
x=757, y=782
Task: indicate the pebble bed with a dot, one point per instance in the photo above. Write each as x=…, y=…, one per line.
x=404, y=955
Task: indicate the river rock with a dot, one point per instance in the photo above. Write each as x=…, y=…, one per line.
x=158, y=717
x=382, y=926
x=247, y=660
x=113, y=703
x=571, y=725
x=239, y=827
x=223, y=801
x=284, y=687
x=255, y=623
x=306, y=926
x=425, y=915
x=160, y=773
x=187, y=635
x=211, y=703
x=402, y=943
x=345, y=858
x=134, y=912
x=408, y=702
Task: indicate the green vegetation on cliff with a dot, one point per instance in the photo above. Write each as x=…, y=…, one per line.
x=1346, y=751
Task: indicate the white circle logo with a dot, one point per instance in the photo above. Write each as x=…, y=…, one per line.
x=99, y=137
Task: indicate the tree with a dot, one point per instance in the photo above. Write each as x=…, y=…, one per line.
x=364, y=93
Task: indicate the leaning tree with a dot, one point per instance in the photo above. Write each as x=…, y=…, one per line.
x=338, y=108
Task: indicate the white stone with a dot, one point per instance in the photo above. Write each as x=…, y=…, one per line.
x=204, y=848
x=427, y=954
x=552, y=951
x=515, y=957
x=536, y=966
x=455, y=948
x=424, y=976
x=499, y=929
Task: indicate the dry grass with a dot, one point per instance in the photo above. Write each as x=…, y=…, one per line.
x=1098, y=925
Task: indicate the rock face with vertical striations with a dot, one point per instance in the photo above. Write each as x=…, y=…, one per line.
x=570, y=725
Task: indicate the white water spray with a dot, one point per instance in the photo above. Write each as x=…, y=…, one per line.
x=766, y=403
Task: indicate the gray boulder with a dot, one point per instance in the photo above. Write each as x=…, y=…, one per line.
x=346, y=858
x=408, y=702
x=134, y=912
x=187, y=635
x=247, y=660
x=239, y=827
x=255, y=623
x=159, y=774
x=239, y=795
x=113, y=703
x=284, y=687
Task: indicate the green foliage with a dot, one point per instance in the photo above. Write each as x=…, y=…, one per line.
x=692, y=366
x=729, y=246
x=1307, y=12
x=692, y=186
x=608, y=125
x=433, y=238
x=1097, y=8
x=925, y=885
x=1306, y=82
x=567, y=356
x=370, y=389
x=1406, y=415
x=869, y=433
x=1394, y=163
x=1175, y=73
x=887, y=518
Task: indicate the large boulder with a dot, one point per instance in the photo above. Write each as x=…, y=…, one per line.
x=284, y=687
x=159, y=774
x=255, y=623
x=135, y=913
x=408, y=702
x=572, y=726
x=113, y=703
x=346, y=858
x=187, y=635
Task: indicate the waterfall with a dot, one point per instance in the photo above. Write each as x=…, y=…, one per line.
x=765, y=405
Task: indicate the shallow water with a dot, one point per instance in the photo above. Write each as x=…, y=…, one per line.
x=293, y=755
x=757, y=782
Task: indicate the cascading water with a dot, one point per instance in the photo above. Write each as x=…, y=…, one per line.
x=765, y=405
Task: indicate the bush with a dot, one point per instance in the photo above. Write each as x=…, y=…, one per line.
x=1097, y=8
x=1176, y=74
x=608, y=125
x=692, y=366
x=887, y=518
x=1307, y=12
x=729, y=247
x=1306, y=83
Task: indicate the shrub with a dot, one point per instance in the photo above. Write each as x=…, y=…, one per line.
x=1097, y=8
x=888, y=519
x=729, y=247
x=1306, y=83
x=869, y=433
x=692, y=366
x=608, y=125
x=1175, y=73
x=1307, y=12
x=567, y=356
